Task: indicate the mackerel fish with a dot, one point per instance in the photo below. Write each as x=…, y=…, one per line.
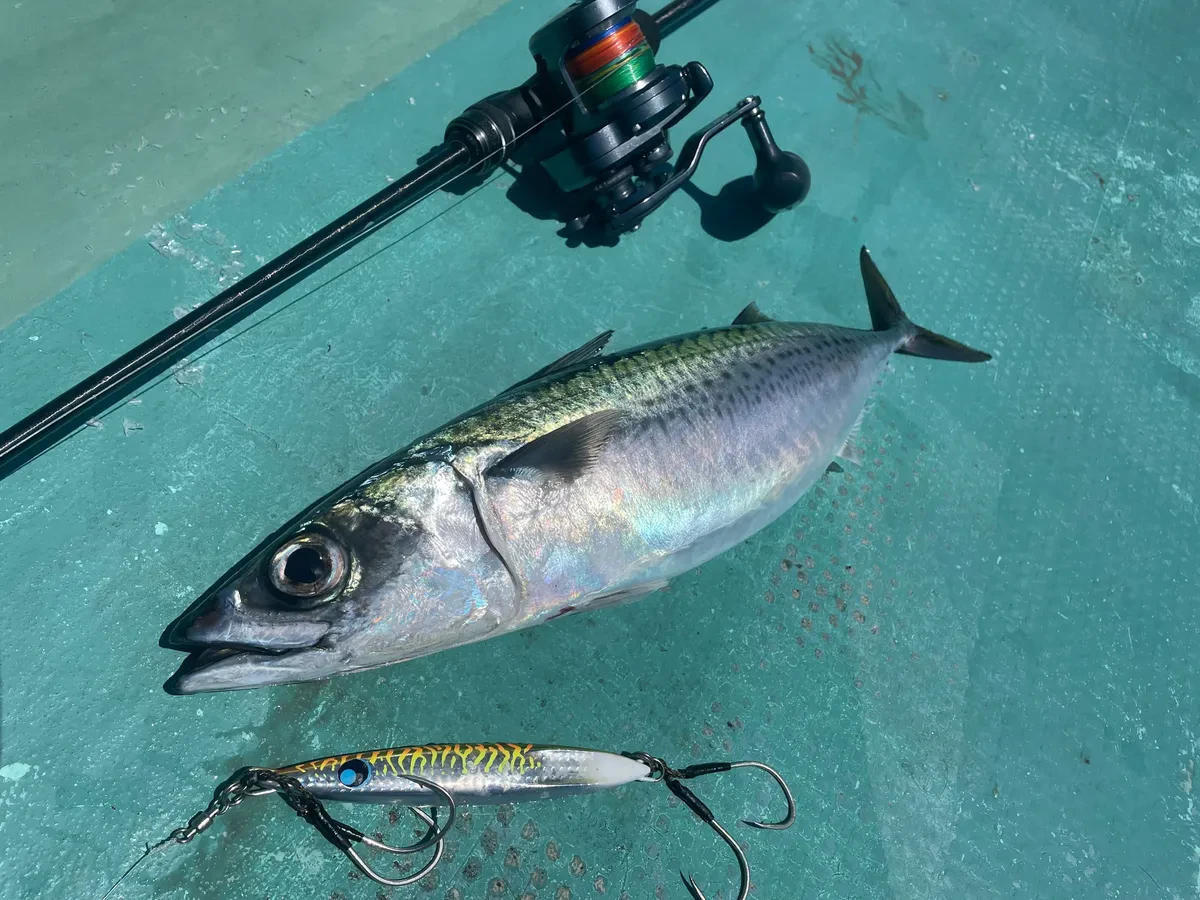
x=591, y=483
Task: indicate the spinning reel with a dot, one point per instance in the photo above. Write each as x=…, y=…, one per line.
x=604, y=105
x=594, y=116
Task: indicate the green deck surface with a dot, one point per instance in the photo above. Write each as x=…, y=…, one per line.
x=975, y=658
x=116, y=114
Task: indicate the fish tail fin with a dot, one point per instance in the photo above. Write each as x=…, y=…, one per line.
x=887, y=314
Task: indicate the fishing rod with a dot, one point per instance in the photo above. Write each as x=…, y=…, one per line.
x=599, y=105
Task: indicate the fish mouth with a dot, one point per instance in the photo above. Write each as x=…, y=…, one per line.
x=183, y=682
x=234, y=645
x=226, y=668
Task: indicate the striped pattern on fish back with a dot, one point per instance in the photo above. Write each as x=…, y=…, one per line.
x=647, y=379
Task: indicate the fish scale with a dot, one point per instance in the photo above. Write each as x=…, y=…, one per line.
x=589, y=484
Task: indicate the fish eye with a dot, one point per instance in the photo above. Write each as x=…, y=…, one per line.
x=308, y=569
x=354, y=773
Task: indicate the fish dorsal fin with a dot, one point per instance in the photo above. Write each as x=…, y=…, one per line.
x=751, y=315
x=578, y=355
x=566, y=452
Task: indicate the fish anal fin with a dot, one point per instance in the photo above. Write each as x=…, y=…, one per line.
x=567, y=452
x=851, y=453
x=751, y=315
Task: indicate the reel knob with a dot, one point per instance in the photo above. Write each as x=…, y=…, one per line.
x=781, y=178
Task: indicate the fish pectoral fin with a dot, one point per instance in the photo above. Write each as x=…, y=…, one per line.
x=566, y=452
x=578, y=355
x=751, y=315
x=624, y=596
x=834, y=467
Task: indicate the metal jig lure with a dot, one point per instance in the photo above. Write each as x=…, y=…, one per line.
x=447, y=775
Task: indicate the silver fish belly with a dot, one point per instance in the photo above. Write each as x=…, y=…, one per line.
x=591, y=483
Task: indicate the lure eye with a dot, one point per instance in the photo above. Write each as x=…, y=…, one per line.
x=354, y=773
x=308, y=570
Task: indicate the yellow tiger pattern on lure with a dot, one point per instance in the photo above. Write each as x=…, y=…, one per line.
x=422, y=759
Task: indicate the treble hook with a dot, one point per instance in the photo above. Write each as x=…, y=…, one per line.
x=342, y=835
x=674, y=778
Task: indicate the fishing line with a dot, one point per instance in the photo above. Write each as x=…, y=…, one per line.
x=375, y=226
x=617, y=58
x=314, y=290
x=370, y=230
x=150, y=848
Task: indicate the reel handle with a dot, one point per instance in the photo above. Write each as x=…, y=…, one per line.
x=781, y=178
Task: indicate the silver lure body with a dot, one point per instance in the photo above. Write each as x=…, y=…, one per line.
x=583, y=488
x=474, y=774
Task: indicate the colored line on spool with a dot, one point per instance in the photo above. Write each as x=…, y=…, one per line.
x=611, y=62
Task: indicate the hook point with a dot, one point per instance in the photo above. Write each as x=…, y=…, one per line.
x=689, y=882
